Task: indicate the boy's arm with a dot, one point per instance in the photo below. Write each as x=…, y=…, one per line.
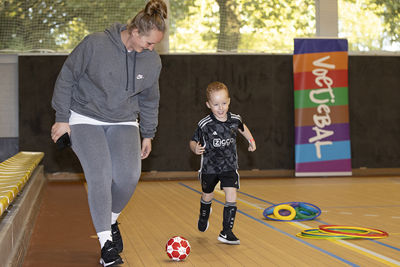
x=249, y=137
x=192, y=145
x=196, y=147
x=195, y=142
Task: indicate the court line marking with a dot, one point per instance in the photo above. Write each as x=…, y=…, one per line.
x=362, y=207
x=280, y=231
x=366, y=252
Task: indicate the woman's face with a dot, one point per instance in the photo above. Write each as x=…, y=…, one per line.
x=147, y=41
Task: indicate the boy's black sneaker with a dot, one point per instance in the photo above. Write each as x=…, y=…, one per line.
x=116, y=237
x=110, y=255
x=203, y=223
x=228, y=237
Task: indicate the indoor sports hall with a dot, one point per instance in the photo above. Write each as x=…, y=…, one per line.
x=316, y=82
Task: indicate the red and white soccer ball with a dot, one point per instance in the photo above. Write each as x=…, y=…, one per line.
x=178, y=248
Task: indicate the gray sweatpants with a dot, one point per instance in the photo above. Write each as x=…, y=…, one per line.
x=110, y=158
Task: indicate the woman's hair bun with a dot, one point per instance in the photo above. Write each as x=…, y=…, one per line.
x=158, y=7
x=152, y=17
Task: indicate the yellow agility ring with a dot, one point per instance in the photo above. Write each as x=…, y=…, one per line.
x=278, y=210
x=353, y=231
x=315, y=233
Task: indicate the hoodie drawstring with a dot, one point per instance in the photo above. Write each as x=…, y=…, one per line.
x=127, y=69
x=134, y=70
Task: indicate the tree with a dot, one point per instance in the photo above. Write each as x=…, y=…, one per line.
x=29, y=25
x=391, y=14
x=198, y=25
x=356, y=18
x=240, y=25
x=229, y=29
x=58, y=24
x=272, y=25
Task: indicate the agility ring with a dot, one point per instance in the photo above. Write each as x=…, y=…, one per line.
x=353, y=231
x=342, y=232
x=278, y=212
x=315, y=233
x=292, y=211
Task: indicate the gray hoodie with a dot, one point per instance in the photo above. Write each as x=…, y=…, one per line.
x=102, y=80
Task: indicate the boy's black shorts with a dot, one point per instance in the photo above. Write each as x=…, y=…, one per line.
x=228, y=179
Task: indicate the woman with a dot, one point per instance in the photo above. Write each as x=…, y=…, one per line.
x=107, y=91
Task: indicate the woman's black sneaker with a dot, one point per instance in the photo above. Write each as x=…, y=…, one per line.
x=110, y=255
x=116, y=237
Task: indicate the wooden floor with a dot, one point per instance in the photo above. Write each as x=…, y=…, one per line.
x=162, y=209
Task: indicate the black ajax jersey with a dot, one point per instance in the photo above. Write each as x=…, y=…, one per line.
x=220, y=143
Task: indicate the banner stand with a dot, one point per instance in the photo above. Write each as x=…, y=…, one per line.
x=322, y=133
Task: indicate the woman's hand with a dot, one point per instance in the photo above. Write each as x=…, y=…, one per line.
x=146, y=148
x=58, y=129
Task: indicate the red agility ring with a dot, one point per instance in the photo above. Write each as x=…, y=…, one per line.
x=341, y=230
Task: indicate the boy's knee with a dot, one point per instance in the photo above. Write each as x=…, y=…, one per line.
x=230, y=194
x=207, y=196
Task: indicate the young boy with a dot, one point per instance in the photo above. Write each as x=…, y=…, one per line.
x=215, y=141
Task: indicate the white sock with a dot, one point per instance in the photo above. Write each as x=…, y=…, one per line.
x=114, y=217
x=103, y=237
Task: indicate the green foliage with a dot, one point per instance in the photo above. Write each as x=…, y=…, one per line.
x=262, y=26
x=58, y=24
x=20, y=18
x=193, y=26
x=229, y=29
x=198, y=25
x=369, y=25
x=390, y=10
x=272, y=25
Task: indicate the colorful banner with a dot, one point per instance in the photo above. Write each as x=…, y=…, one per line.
x=322, y=137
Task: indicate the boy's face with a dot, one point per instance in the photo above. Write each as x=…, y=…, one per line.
x=219, y=104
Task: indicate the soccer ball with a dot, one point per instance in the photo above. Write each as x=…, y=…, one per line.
x=178, y=248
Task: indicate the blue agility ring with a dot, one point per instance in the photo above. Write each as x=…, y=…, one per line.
x=307, y=211
x=268, y=211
